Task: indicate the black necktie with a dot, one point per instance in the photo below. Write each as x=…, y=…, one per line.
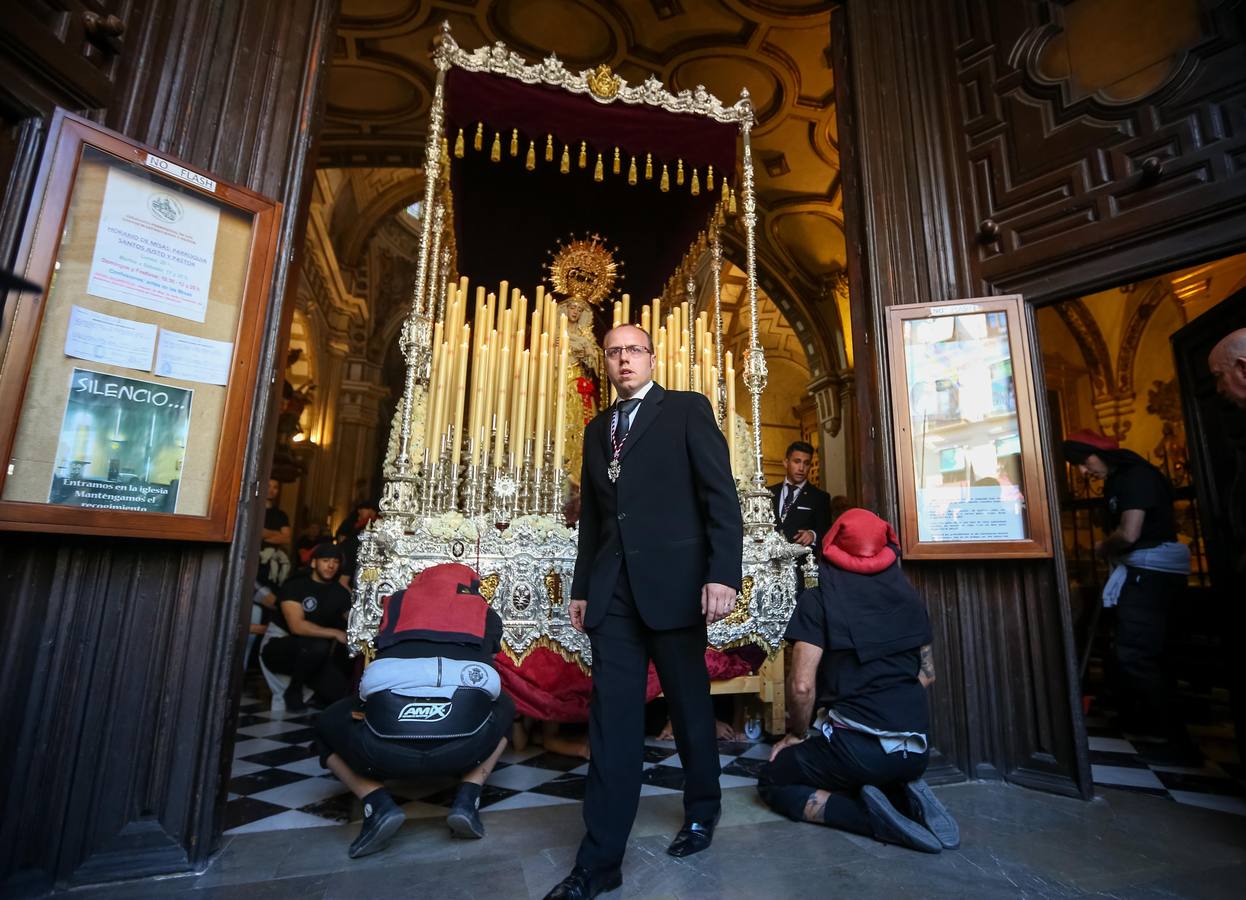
x=624, y=411
x=792, y=491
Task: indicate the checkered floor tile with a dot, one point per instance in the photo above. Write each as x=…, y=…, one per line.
x=1213, y=777
x=276, y=781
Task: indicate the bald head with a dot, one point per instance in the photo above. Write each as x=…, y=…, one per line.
x=1227, y=362
x=629, y=358
x=626, y=334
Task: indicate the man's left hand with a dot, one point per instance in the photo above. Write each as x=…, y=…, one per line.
x=717, y=600
x=804, y=538
x=789, y=740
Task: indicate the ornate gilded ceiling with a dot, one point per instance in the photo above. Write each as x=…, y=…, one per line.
x=381, y=82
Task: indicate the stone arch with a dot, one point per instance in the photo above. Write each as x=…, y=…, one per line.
x=1079, y=320
x=1158, y=291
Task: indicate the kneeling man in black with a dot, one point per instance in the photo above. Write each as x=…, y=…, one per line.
x=433, y=705
x=862, y=647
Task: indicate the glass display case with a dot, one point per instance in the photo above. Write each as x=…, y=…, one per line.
x=970, y=474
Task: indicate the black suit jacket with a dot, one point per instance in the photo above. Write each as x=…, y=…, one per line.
x=673, y=518
x=811, y=511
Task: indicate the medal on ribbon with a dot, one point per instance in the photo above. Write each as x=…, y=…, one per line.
x=615, y=469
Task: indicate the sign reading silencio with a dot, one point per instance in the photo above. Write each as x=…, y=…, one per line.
x=122, y=444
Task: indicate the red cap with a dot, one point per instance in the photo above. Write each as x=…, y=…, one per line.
x=1092, y=439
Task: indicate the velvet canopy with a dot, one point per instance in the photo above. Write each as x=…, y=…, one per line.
x=507, y=219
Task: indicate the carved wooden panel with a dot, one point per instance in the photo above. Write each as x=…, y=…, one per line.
x=1062, y=163
x=120, y=661
x=1005, y=702
x=72, y=46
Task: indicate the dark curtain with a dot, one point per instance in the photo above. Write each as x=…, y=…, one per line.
x=508, y=219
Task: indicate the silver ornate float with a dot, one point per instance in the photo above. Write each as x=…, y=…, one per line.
x=508, y=525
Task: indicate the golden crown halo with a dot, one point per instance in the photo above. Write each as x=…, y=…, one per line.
x=584, y=269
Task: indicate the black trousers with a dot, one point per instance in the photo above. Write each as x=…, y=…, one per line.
x=1143, y=679
x=622, y=647
x=841, y=764
x=378, y=758
x=319, y=663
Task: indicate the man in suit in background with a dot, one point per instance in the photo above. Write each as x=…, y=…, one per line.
x=801, y=511
x=661, y=541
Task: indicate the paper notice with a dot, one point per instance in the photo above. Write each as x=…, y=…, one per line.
x=108, y=339
x=958, y=513
x=191, y=358
x=154, y=247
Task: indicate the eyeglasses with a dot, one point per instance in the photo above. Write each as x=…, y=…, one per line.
x=629, y=350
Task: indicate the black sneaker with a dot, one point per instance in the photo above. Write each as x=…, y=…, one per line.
x=380, y=822
x=464, y=819
x=892, y=827
x=926, y=809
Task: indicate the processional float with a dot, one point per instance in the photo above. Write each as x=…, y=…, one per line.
x=477, y=468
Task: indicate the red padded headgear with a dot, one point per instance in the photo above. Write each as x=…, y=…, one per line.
x=858, y=542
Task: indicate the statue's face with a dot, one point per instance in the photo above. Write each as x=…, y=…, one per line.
x=573, y=310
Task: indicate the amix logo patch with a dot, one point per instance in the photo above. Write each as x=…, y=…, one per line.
x=425, y=711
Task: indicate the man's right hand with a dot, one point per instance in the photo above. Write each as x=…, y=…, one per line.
x=576, y=611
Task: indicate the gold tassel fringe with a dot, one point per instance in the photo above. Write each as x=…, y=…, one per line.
x=458, y=145
x=514, y=142
x=565, y=165
x=495, y=152
x=696, y=183
x=648, y=167
x=666, y=179
x=530, y=162
x=709, y=178
x=549, y=148
x=615, y=168
x=631, y=171
x=731, y=204
x=598, y=170
x=478, y=140
x=583, y=154
x=679, y=173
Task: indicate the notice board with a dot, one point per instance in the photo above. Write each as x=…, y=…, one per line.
x=126, y=384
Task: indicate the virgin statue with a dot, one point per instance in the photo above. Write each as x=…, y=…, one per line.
x=586, y=373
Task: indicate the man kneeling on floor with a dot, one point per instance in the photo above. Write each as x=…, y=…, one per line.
x=861, y=646
x=433, y=705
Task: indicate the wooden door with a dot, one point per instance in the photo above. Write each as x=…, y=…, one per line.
x=1217, y=439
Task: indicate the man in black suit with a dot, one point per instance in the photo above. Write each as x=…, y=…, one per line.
x=801, y=511
x=659, y=559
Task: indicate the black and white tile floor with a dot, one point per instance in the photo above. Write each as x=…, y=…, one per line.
x=276, y=781
x=1219, y=782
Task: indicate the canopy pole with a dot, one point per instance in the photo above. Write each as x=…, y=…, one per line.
x=758, y=516
x=417, y=332
x=716, y=262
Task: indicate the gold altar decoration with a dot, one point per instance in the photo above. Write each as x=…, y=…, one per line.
x=479, y=466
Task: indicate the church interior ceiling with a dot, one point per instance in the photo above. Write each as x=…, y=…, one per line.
x=381, y=83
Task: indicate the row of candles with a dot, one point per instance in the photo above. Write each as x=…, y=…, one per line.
x=498, y=386
x=513, y=367
x=681, y=367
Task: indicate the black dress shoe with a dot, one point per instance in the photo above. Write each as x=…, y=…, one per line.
x=693, y=838
x=584, y=884
x=893, y=827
